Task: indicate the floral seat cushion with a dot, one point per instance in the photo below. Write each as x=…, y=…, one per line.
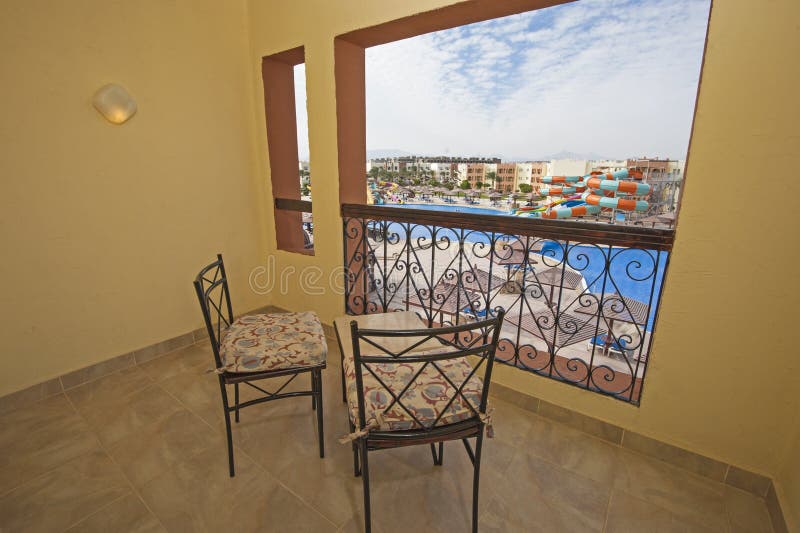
x=277, y=341
x=425, y=398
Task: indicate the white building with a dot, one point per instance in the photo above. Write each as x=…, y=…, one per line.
x=675, y=167
x=376, y=163
x=523, y=174
x=461, y=172
x=610, y=165
x=444, y=172
x=569, y=167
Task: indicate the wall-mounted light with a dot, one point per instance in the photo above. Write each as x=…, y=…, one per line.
x=115, y=103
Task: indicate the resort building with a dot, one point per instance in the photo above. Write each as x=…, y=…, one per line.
x=569, y=167
x=474, y=172
x=506, y=176
x=609, y=165
x=670, y=408
x=445, y=172
x=665, y=178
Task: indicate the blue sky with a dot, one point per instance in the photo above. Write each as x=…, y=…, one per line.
x=611, y=77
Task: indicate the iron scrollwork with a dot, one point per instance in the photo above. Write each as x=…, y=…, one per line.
x=577, y=310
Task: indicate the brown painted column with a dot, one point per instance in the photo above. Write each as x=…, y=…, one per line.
x=279, y=104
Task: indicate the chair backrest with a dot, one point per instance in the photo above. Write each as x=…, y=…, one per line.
x=469, y=388
x=211, y=285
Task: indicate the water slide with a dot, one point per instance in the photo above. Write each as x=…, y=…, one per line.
x=375, y=195
x=590, y=194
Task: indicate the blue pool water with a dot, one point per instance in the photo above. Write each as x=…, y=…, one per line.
x=452, y=208
x=631, y=271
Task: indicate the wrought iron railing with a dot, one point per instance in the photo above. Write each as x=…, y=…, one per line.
x=580, y=298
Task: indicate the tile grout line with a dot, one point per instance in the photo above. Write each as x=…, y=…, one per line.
x=96, y=511
x=37, y=476
x=258, y=465
x=608, y=510
x=50, y=470
x=584, y=477
x=122, y=471
x=728, y=466
x=653, y=458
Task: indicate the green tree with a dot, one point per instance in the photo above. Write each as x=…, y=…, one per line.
x=525, y=188
x=478, y=185
x=491, y=177
x=449, y=186
x=464, y=185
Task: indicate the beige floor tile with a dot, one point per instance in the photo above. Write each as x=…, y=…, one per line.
x=538, y=492
x=693, y=462
x=195, y=359
x=158, y=446
x=433, y=503
x=686, y=495
x=199, y=393
x=109, y=389
x=198, y=495
x=162, y=423
x=747, y=513
x=126, y=417
x=278, y=440
x=64, y=496
x=127, y=514
x=572, y=449
x=40, y=437
x=628, y=514
x=356, y=525
x=490, y=521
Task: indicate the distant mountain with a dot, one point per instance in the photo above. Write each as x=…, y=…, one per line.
x=378, y=153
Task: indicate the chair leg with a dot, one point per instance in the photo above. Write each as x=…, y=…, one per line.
x=236, y=400
x=365, y=480
x=344, y=392
x=313, y=390
x=356, y=462
x=320, y=429
x=437, y=458
x=227, y=426
x=476, y=481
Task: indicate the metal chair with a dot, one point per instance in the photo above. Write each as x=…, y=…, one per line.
x=257, y=347
x=406, y=387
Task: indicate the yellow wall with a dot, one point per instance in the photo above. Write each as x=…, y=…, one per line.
x=103, y=227
x=787, y=482
x=723, y=364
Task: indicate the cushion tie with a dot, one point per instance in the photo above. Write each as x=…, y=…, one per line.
x=373, y=423
x=486, y=418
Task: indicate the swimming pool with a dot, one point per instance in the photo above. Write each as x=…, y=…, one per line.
x=631, y=272
x=451, y=208
x=464, y=209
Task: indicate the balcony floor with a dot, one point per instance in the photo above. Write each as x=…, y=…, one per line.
x=144, y=450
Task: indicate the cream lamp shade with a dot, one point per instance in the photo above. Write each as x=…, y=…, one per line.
x=115, y=103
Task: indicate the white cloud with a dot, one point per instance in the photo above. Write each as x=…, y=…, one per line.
x=612, y=77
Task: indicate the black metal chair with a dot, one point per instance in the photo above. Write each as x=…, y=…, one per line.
x=418, y=386
x=256, y=347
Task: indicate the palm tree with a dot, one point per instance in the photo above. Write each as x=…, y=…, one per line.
x=491, y=177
